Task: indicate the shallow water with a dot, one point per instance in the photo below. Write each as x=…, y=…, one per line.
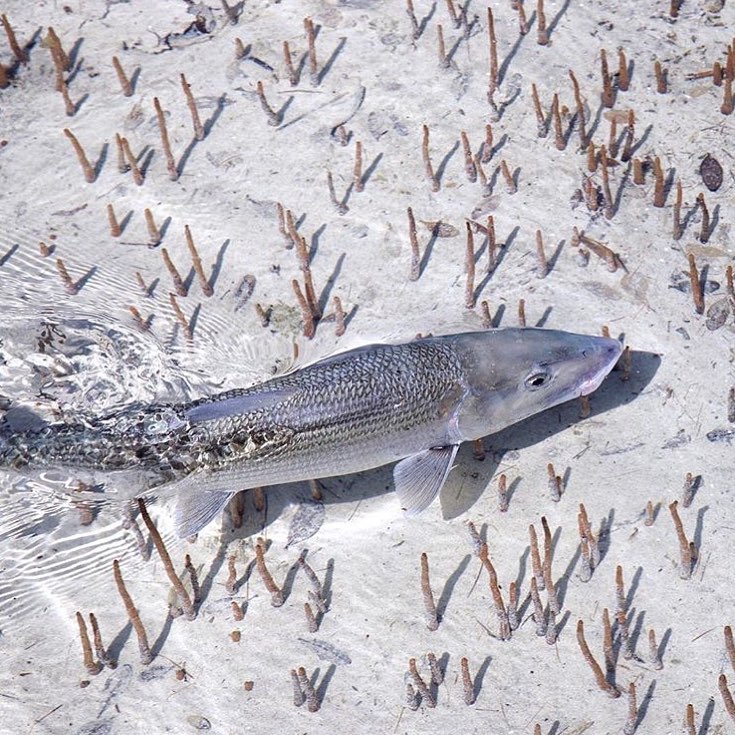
x=66, y=359
x=383, y=83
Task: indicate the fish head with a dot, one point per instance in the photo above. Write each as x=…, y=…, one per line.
x=515, y=373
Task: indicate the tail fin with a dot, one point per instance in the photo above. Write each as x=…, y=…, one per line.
x=15, y=419
x=4, y=436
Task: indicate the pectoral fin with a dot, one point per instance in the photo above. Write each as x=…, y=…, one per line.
x=420, y=477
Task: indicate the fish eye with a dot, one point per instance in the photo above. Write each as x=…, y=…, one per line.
x=537, y=379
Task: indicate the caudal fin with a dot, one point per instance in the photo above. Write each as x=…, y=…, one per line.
x=16, y=420
x=4, y=442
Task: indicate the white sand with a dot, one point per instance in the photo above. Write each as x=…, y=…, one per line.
x=644, y=435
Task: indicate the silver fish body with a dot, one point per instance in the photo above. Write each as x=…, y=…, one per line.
x=414, y=402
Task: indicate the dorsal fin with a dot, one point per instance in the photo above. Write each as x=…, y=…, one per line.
x=236, y=405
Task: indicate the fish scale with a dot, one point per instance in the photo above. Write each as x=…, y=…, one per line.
x=375, y=396
x=414, y=402
x=354, y=390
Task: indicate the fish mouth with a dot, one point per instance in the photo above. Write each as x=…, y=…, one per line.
x=609, y=352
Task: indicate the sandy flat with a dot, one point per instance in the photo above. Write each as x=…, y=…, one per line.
x=377, y=84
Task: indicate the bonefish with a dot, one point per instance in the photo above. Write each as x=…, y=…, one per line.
x=412, y=403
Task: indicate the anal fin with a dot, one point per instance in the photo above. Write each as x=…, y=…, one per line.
x=196, y=509
x=198, y=498
x=420, y=477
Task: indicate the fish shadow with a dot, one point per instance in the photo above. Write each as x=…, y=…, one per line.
x=282, y=499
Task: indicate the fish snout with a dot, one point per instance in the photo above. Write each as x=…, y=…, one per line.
x=605, y=353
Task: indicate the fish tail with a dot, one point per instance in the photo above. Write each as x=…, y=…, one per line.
x=9, y=455
x=4, y=441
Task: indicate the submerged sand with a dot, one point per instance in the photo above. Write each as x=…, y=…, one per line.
x=648, y=427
